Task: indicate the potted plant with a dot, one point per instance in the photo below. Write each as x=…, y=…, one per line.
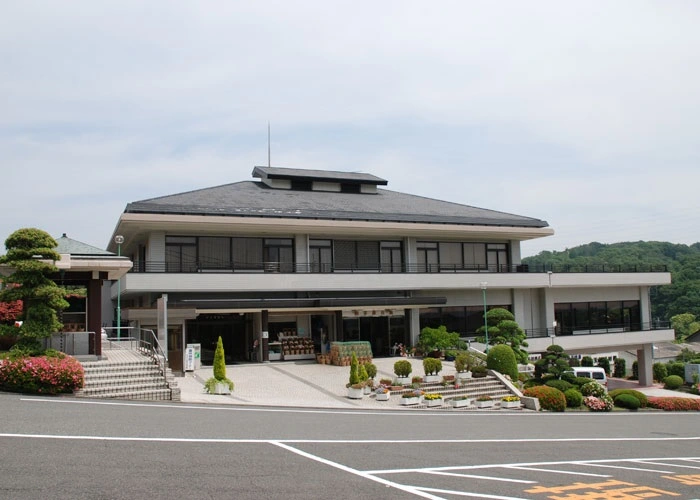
x=432, y=399
x=510, y=402
x=402, y=370
x=219, y=384
x=484, y=402
x=382, y=393
x=411, y=398
x=355, y=385
x=460, y=401
x=450, y=355
x=432, y=366
x=416, y=380
x=479, y=371
x=364, y=379
x=463, y=364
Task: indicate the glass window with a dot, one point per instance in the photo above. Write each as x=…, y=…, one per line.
x=247, y=253
x=215, y=253
x=451, y=255
x=474, y=255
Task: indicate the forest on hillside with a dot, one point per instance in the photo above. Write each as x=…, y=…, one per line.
x=683, y=261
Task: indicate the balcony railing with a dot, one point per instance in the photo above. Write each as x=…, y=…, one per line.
x=596, y=330
x=289, y=267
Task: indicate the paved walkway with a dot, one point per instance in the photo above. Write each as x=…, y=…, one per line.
x=308, y=384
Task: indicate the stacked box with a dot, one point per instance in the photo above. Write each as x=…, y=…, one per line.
x=341, y=352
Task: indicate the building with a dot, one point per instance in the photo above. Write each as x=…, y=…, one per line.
x=335, y=256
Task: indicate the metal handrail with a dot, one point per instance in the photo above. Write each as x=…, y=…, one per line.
x=144, y=340
x=209, y=266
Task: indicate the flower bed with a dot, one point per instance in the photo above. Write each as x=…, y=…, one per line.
x=42, y=375
x=675, y=404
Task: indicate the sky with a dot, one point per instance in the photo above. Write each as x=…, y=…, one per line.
x=583, y=114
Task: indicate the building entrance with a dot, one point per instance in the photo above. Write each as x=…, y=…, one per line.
x=206, y=330
x=381, y=332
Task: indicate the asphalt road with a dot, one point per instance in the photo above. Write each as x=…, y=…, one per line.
x=56, y=448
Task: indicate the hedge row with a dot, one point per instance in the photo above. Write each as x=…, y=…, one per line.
x=675, y=404
x=41, y=375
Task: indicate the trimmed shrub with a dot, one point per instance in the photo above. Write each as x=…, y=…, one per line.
x=620, y=370
x=501, y=358
x=354, y=370
x=362, y=373
x=604, y=363
x=531, y=383
x=41, y=375
x=676, y=368
x=675, y=404
x=635, y=370
x=402, y=368
x=371, y=370
x=562, y=385
x=432, y=366
x=673, y=382
x=219, y=361
x=551, y=399
x=574, y=399
x=593, y=388
x=574, y=362
x=479, y=371
x=660, y=371
x=464, y=362
x=580, y=381
x=587, y=361
x=643, y=401
x=627, y=401
x=599, y=403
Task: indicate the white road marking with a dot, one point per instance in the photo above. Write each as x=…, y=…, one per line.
x=665, y=464
x=469, y=494
x=474, y=476
x=402, y=487
x=622, y=467
x=556, y=471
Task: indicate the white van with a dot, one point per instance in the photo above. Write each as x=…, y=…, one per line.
x=594, y=372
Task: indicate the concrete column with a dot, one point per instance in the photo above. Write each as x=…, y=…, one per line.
x=94, y=316
x=265, y=337
x=645, y=361
x=413, y=323
x=644, y=306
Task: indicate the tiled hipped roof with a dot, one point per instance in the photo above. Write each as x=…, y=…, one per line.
x=255, y=199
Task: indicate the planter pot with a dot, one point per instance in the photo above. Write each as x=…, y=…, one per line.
x=460, y=403
x=403, y=380
x=510, y=404
x=367, y=390
x=432, y=379
x=355, y=393
x=484, y=404
x=410, y=401
x=433, y=402
x=464, y=375
x=383, y=397
x=449, y=358
x=221, y=389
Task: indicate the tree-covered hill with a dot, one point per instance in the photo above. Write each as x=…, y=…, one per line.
x=683, y=261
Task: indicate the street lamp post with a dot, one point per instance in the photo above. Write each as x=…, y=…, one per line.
x=486, y=323
x=119, y=239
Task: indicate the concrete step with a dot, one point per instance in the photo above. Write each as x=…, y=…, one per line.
x=137, y=372
x=121, y=388
x=122, y=381
x=161, y=394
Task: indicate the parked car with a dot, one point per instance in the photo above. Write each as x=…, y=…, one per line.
x=594, y=372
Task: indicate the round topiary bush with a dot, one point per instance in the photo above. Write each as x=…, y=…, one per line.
x=586, y=361
x=551, y=399
x=371, y=370
x=627, y=401
x=501, y=358
x=402, y=368
x=574, y=399
x=672, y=382
x=641, y=397
x=676, y=368
x=562, y=385
x=580, y=381
x=432, y=366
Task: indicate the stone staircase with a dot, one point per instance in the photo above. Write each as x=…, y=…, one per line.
x=128, y=375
